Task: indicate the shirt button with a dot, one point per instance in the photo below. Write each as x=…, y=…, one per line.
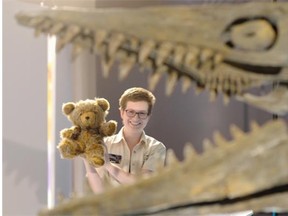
x=134, y=151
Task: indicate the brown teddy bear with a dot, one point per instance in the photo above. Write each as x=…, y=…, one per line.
x=90, y=127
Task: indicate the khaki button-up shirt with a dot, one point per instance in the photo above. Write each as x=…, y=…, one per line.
x=148, y=154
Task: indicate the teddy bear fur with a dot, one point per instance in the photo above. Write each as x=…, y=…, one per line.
x=85, y=137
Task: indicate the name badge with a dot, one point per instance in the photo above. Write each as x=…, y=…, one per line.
x=115, y=158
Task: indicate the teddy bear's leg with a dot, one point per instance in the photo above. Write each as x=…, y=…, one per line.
x=70, y=148
x=96, y=161
x=95, y=155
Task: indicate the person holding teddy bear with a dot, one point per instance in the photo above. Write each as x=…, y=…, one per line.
x=129, y=152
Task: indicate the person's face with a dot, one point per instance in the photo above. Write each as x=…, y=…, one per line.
x=135, y=116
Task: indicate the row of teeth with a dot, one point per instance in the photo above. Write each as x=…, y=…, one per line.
x=193, y=65
x=219, y=140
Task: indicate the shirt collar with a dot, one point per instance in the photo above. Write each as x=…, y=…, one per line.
x=119, y=137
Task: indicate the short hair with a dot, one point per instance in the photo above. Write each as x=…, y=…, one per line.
x=137, y=94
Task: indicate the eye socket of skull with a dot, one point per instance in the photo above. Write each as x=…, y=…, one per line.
x=256, y=34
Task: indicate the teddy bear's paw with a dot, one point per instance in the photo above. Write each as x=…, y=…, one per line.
x=109, y=128
x=66, y=153
x=71, y=133
x=69, y=149
x=66, y=133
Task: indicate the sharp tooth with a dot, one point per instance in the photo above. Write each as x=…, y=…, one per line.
x=207, y=145
x=155, y=77
x=233, y=86
x=37, y=32
x=217, y=59
x=226, y=84
x=72, y=31
x=205, y=59
x=106, y=66
x=145, y=50
x=56, y=28
x=60, y=43
x=186, y=83
x=191, y=58
x=254, y=126
x=219, y=140
x=226, y=99
x=189, y=152
x=214, y=84
x=115, y=41
x=126, y=66
x=99, y=38
x=219, y=88
x=239, y=85
x=236, y=132
x=69, y=35
x=163, y=52
x=77, y=49
x=106, y=61
x=171, y=158
x=212, y=95
x=148, y=64
x=179, y=53
x=206, y=80
x=171, y=82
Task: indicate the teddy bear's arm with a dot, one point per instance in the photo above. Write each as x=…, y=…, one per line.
x=71, y=133
x=108, y=128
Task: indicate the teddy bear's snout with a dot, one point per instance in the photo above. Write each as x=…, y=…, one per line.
x=88, y=119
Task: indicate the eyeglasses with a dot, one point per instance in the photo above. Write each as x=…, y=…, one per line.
x=132, y=113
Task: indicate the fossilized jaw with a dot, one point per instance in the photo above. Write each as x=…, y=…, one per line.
x=206, y=50
x=206, y=183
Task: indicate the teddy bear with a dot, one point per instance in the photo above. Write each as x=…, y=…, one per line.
x=85, y=137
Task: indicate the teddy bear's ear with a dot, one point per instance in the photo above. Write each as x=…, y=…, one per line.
x=103, y=103
x=67, y=108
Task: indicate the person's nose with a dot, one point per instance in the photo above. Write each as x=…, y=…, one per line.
x=136, y=116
